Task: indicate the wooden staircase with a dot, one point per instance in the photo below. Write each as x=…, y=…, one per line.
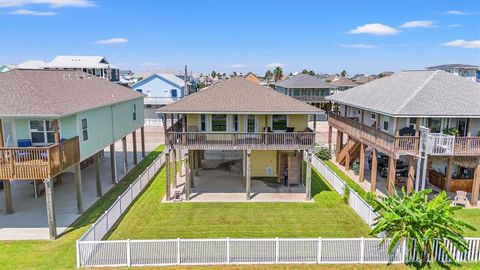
x=352, y=147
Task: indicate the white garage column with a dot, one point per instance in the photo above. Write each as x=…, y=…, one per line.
x=52, y=224
x=174, y=158
x=308, y=176
x=167, y=175
x=248, y=174
x=187, y=176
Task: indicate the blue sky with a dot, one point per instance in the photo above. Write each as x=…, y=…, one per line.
x=326, y=36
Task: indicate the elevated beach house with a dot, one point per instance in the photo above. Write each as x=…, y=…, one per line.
x=54, y=121
x=430, y=119
x=470, y=72
x=267, y=131
x=160, y=90
x=307, y=88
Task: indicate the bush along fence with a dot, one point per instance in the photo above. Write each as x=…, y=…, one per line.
x=360, y=206
x=93, y=252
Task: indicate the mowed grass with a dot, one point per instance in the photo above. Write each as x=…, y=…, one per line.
x=472, y=216
x=60, y=253
x=328, y=216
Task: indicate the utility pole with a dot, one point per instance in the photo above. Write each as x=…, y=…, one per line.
x=186, y=84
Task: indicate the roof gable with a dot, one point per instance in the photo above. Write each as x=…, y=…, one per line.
x=169, y=78
x=238, y=95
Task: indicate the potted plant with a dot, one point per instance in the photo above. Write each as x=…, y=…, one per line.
x=452, y=131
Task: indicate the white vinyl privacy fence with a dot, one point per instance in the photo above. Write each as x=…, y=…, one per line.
x=362, y=208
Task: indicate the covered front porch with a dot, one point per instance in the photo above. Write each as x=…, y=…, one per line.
x=224, y=176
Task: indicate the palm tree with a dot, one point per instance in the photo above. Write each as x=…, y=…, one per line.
x=343, y=73
x=278, y=73
x=268, y=75
x=420, y=222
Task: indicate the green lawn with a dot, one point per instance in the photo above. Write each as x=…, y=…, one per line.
x=472, y=216
x=328, y=216
x=60, y=253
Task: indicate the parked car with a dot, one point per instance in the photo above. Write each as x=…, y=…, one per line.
x=382, y=165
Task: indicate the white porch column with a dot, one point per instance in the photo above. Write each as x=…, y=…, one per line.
x=78, y=187
x=248, y=174
x=308, y=174
x=52, y=224
x=187, y=176
x=167, y=175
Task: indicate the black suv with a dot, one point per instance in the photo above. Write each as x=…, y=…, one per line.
x=382, y=165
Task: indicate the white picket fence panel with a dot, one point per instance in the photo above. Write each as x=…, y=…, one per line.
x=362, y=208
x=236, y=251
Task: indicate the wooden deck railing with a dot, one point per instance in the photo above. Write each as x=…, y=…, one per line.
x=241, y=141
x=385, y=142
x=38, y=162
x=467, y=146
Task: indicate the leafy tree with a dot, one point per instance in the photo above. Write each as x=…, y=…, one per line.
x=234, y=74
x=420, y=221
x=268, y=75
x=214, y=74
x=278, y=73
x=343, y=73
x=309, y=72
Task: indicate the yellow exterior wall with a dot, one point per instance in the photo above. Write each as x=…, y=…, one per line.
x=261, y=160
x=193, y=120
x=298, y=121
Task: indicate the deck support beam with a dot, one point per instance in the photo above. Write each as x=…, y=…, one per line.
x=247, y=174
x=98, y=180
x=347, y=157
x=411, y=174
x=308, y=177
x=78, y=187
x=113, y=164
x=392, y=171
x=361, y=176
x=134, y=142
x=373, y=171
x=476, y=184
x=142, y=139
x=448, y=174
x=52, y=223
x=7, y=189
x=330, y=133
x=167, y=175
x=186, y=160
x=174, y=158
x=339, y=145
x=125, y=155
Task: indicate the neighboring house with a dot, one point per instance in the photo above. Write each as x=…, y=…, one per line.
x=343, y=83
x=470, y=72
x=307, y=88
x=7, y=67
x=252, y=77
x=365, y=79
x=267, y=132
x=94, y=65
x=53, y=121
x=386, y=114
x=160, y=90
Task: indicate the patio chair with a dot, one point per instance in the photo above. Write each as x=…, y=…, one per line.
x=177, y=196
x=461, y=198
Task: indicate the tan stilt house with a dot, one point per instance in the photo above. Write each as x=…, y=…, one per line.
x=53, y=122
x=267, y=130
x=385, y=116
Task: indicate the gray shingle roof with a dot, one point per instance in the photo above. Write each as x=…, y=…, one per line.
x=57, y=93
x=304, y=81
x=416, y=93
x=238, y=95
x=342, y=81
x=447, y=66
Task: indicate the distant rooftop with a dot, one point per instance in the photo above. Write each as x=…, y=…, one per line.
x=304, y=81
x=345, y=82
x=69, y=61
x=416, y=94
x=448, y=66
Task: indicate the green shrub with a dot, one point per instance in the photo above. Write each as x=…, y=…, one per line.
x=346, y=195
x=324, y=154
x=356, y=168
x=450, y=131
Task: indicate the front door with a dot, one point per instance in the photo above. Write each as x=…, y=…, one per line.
x=9, y=138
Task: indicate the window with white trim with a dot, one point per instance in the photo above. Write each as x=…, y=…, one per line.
x=41, y=131
x=279, y=122
x=251, y=123
x=235, y=125
x=84, y=129
x=386, y=123
x=219, y=122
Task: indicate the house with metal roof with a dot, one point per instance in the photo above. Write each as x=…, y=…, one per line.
x=470, y=72
x=56, y=121
x=160, y=90
x=259, y=134
x=307, y=88
x=429, y=119
x=95, y=65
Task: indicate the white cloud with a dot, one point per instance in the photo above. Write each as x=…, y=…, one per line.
x=32, y=12
x=460, y=43
x=274, y=65
x=455, y=25
x=236, y=66
x=458, y=12
x=112, y=41
x=52, y=3
x=359, y=45
x=149, y=64
x=414, y=24
x=377, y=29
